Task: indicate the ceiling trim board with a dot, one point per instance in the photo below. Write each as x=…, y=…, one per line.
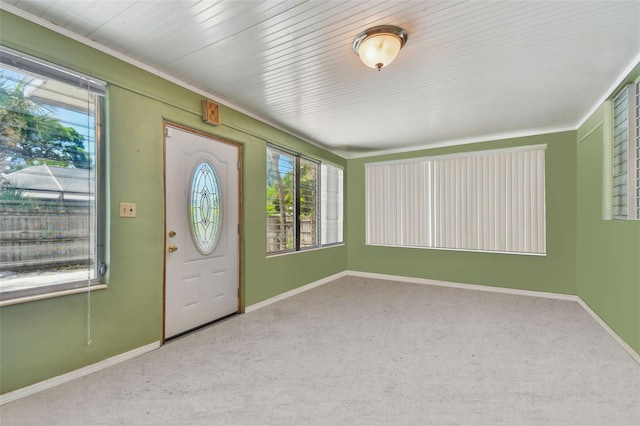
x=634, y=63
x=138, y=64
x=457, y=142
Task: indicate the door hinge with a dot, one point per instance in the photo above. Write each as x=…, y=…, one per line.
x=238, y=164
x=238, y=291
x=238, y=228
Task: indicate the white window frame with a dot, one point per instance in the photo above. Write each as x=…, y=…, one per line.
x=323, y=206
x=626, y=154
x=62, y=285
x=490, y=201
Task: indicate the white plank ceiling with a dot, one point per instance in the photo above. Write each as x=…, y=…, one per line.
x=471, y=70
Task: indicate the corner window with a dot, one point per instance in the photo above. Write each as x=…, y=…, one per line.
x=626, y=153
x=304, y=202
x=50, y=177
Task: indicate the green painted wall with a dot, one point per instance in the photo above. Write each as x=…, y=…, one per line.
x=555, y=272
x=43, y=339
x=598, y=260
x=608, y=251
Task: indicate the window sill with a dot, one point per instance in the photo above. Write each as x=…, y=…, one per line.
x=33, y=298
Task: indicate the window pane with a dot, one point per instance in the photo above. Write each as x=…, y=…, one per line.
x=204, y=208
x=308, y=203
x=280, y=201
x=311, y=195
x=620, y=154
x=486, y=201
x=48, y=163
x=331, y=203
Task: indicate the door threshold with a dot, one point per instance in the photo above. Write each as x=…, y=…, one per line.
x=200, y=327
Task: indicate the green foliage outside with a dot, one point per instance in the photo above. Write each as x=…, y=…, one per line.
x=15, y=198
x=31, y=135
x=286, y=186
x=281, y=196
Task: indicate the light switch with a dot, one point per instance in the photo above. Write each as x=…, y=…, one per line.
x=127, y=209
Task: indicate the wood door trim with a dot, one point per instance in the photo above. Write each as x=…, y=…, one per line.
x=239, y=147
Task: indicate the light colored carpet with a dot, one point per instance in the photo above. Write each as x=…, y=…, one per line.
x=366, y=352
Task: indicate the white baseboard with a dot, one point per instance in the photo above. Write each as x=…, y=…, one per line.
x=293, y=292
x=570, y=297
x=72, y=375
x=49, y=383
x=504, y=290
x=625, y=345
x=475, y=287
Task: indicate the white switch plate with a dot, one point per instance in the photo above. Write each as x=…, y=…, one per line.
x=127, y=209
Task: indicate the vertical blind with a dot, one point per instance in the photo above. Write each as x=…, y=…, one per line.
x=626, y=153
x=620, y=154
x=483, y=201
x=331, y=204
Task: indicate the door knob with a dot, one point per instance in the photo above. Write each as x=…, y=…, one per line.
x=172, y=248
x=172, y=234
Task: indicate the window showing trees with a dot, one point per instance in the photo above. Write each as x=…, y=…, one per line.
x=280, y=201
x=304, y=202
x=49, y=177
x=308, y=200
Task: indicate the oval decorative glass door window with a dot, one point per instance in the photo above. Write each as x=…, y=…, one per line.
x=205, y=208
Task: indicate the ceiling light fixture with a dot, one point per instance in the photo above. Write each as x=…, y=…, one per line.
x=379, y=46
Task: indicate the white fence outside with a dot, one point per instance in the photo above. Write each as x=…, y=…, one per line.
x=33, y=239
x=278, y=235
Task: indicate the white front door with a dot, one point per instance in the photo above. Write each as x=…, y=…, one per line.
x=201, y=230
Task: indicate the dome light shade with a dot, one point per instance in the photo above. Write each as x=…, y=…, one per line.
x=379, y=46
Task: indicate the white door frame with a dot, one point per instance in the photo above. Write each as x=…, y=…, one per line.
x=166, y=124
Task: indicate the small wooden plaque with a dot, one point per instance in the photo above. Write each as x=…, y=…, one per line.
x=210, y=112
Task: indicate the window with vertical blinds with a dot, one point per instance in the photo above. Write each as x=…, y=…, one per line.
x=482, y=201
x=331, y=204
x=626, y=153
x=51, y=205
